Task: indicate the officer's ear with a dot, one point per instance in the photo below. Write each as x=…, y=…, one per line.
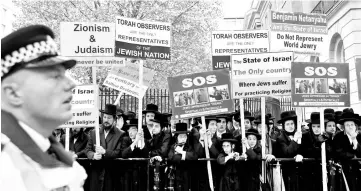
x=11, y=91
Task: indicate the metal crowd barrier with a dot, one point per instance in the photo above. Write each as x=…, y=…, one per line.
x=136, y=174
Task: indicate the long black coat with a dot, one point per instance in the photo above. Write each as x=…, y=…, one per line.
x=102, y=176
x=158, y=145
x=229, y=179
x=127, y=151
x=79, y=146
x=287, y=148
x=183, y=170
x=344, y=152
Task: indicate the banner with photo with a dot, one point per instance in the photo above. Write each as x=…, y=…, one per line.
x=201, y=94
x=302, y=33
x=320, y=84
x=226, y=43
x=257, y=75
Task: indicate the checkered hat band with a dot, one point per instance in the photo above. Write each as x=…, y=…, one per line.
x=29, y=53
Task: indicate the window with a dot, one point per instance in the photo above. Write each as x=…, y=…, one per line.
x=337, y=50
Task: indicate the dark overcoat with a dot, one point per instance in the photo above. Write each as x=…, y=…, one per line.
x=104, y=177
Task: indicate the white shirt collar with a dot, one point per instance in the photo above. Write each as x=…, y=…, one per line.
x=106, y=133
x=220, y=134
x=41, y=141
x=349, y=138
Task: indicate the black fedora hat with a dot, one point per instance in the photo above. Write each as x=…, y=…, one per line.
x=247, y=115
x=287, y=115
x=315, y=118
x=120, y=113
x=211, y=118
x=330, y=117
x=228, y=137
x=350, y=110
x=349, y=116
x=30, y=47
x=110, y=109
x=225, y=116
x=329, y=110
x=151, y=108
x=158, y=118
x=181, y=128
x=254, y=132
x=130, y=115
x=268, y=117
x=132, y=123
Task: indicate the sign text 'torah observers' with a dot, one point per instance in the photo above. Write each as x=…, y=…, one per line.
x=142, y=39
x=201, y=94
x=320, y=84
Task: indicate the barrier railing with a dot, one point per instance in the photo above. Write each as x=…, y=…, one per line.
x=137, y=174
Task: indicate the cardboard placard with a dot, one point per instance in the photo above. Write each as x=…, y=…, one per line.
x=298, y=32
x=142, y=39
x=87, y=38
x=226, y=43
x=257, y=75
x=83, y=107
x=320, y=84
x=200, y=94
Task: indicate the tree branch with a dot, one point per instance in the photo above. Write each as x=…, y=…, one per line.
x=189, y=8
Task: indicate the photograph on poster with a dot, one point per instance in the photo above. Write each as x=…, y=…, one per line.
x=201, y=95
x=321, y=85
x=337, y=85
x=305, y=85
x=217, y=93
x=183, y=98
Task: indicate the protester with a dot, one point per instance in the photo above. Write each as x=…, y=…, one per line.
x=150, y=112
x=252, y=167
x=77, y=142
x=347, y=147
x=133, y=146
x=181, y=151
x=129, y=115
x=110, y=148
x=287, y=146
x=121, y=118
x=228, y=158
x=248, y=119
x=35, y=100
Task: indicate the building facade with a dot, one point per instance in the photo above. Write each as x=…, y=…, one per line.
x=344, y=31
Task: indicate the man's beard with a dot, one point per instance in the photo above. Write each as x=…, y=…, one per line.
x=107, y=126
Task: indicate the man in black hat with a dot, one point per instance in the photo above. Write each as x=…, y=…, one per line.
x=77, y=142
x=129, y=115
x=248, y=118
x=110, y=148
x=121, y=118
x=35, y=100
x=130, y=146
x=150, y=112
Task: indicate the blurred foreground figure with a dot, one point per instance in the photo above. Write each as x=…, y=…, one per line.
x=35, y=100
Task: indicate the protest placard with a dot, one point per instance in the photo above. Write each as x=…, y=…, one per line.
x=298, y=32
x=225, y=43
x=83, y=107
x=264, y=74
x=142, y=39
x=87, y=38
x=320, y=84
x=358, y=76
x=200, y=94
x=126, y=79
x=99, y=61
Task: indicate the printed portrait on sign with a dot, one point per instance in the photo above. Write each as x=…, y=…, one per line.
x=217, y=93
x=337, y=85
x=305, y=85
x=321, y=85
x=201, y=95
x=183, y=98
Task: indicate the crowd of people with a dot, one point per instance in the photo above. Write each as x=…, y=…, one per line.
x=161, y=141
x=36, y=99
